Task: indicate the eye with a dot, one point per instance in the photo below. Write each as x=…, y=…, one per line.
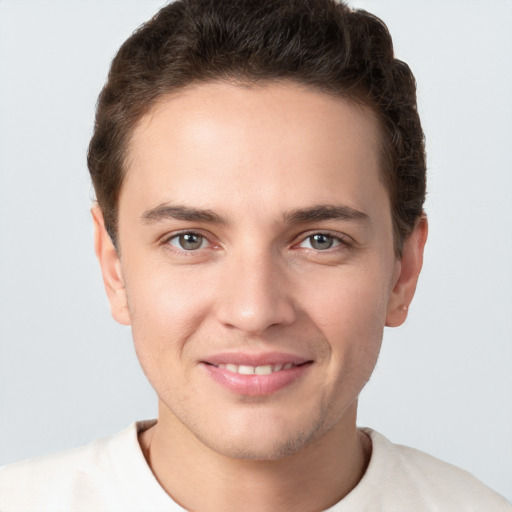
x=188, y=241
x=321, y=242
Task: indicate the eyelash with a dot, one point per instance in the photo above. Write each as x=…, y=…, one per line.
x=342, y=242
x=168, y=238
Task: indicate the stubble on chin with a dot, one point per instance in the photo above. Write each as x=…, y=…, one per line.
x=246, y=444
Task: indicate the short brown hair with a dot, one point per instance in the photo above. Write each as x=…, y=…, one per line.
x=322, y=44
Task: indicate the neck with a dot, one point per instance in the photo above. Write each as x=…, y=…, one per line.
x=315, y=478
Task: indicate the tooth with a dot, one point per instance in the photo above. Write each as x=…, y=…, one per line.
x=263, y=370
x=255, y=370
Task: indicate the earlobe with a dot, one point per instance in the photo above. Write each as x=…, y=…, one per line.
x=110, y=268
x=408, y=270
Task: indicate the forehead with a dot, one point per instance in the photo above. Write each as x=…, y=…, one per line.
x=272, y=145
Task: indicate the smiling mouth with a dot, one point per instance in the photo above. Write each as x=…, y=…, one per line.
x=256, y=380
x=266, y=369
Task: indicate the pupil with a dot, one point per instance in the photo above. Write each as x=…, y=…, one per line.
x=321, y=241
x=190, y=241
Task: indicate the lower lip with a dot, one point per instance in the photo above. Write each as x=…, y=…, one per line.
x=256, y=385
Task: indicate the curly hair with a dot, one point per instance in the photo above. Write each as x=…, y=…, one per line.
x=322, y=44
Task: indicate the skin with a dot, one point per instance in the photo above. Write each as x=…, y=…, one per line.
x=257, y=283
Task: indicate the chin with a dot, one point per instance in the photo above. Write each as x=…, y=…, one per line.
x=262, y=440
x=267, y=449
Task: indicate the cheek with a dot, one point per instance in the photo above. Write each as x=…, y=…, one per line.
x=349, y=297
x=349, y=308
x=166, y=307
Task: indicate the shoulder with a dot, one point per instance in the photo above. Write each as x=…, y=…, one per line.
x=65, y=464
x=87, y=478
x=403, y=478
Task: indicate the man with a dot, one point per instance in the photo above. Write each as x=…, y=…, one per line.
x=260, y=175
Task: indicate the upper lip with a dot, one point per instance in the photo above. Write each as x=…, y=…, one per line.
x=255, y=359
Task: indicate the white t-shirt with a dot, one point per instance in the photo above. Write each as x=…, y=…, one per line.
x=111, y=475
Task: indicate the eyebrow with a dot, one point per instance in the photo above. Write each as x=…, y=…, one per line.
x=317, y=213
x=167, y=211
x=325, y=212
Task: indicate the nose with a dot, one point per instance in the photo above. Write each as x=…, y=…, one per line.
x=255, y=295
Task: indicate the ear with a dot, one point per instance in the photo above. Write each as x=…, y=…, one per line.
x=408, y=271
x=110, y=268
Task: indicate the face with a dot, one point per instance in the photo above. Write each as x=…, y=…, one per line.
x=256, y=262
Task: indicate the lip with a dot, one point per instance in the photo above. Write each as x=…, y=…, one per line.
x=255, y=359
x=256, y=385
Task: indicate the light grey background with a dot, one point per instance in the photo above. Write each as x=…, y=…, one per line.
x=68, y=373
